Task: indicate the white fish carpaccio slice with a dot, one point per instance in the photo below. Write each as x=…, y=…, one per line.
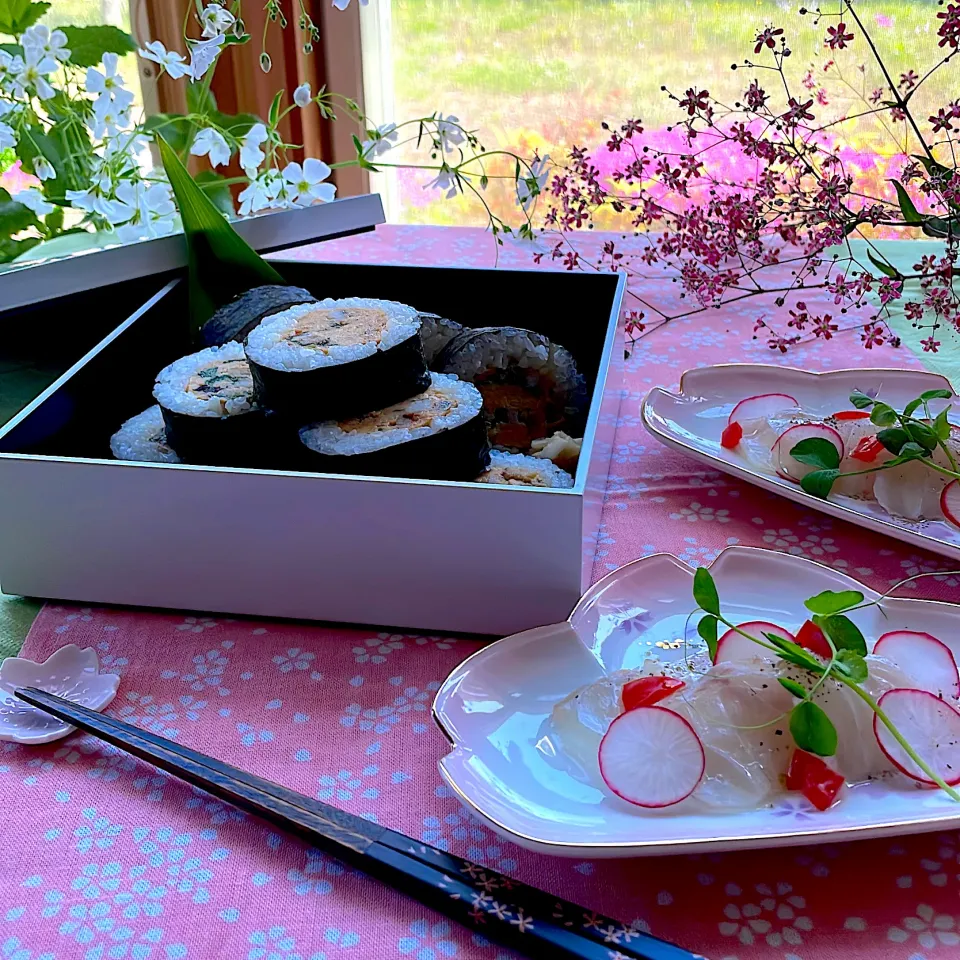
x=738, y=709
x=912, y=490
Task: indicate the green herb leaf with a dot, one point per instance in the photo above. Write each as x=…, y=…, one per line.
x=907, y=209
x=221, y=263
x=819, y=483
x=87, y=45
x=911, y=451
x=200, y=99
x=844, y=633
x=797, y=689
x=852, y=665
x=922, y=434
x=941, y=425
x=883, y=267
x=14, y=216
x=911, y=408
x=860, y=400
x=707, y=628
x=883, y=415
x=274, y=112
x=705, y=591
x=794, y=653
x=893, y=438
x=17, y=15
x=813, y=730
x=816, y=452
x=833, y=601
x=175, y=128
x=11, y=249
x=940, y=394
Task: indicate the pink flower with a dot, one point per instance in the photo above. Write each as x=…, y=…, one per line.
x=694, y=101
x=15, y=179
x=908, y=79
x=837, y=37
x=930, y=345
x=766, y=38
x=942, y=120
x=882, y=20
x=949, y=31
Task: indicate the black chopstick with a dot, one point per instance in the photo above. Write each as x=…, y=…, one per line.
x=519, y=916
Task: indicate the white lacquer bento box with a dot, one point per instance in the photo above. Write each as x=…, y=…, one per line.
x=430, y=555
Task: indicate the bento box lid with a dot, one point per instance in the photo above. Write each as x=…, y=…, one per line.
x=36, y=281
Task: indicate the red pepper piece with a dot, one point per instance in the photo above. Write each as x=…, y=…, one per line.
x=646, y=691
x=731, y=436
x=814, y=779
x=851, y=415
x=867, y=450
x=811, y=637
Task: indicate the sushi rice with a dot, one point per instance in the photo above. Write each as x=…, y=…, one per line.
x=517, y=469
x=143, y=438
x=330, y=332
x=215, y=382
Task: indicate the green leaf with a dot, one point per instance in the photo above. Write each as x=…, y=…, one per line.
x=14, y=49
x=909, y=212
x=17, y=15
x=833, y=601
x=705, y=591
x=87, y=45
x=14, y=216
x=883, y=415
x=922, y=434
x=938, y=227
x=358, y=145
x=213, y=186
x=853, y=665
x=893, y=439
x=175, y=128
x=911, y=451
x=707, y=628
x=797, y=689
x=941, y=425
x=274, y=113
x=844, y=633
x=884, y=268
x=813, y=730
x=816, y=452
x=912, y=407
x=940, y=394
x=9, y=249
x=819, y=483
x=860, y=400
x=53, y=222
x=200, y=99
x=794, y=653
x=221, y=263
x=236, y=124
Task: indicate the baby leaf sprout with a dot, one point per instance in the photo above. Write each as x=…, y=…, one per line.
x=812, y=730
x=902, y=433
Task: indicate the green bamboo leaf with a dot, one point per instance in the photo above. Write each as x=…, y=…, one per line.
x=221, y=263
x=274, y=113
x=909, y=212
x=884, y=268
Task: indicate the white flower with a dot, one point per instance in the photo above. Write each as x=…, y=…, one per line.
x=43, y=169
x=216, y=20
x=109, y=116
x=381, y=140
x=532, y=185
x=202, y=55
x=445, y=180
x=9, y=68
x=33, y=199
x=261, y=193
x=251, y=156
x=343, y=4
x=306, y=182
x=7, y=137
x=169, y=60
x=449, y=132
x=301, y=96
x=109, y=83
x=45, y=42
x=32, y=75
x=210, y=142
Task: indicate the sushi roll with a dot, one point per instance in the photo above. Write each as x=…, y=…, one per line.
x=208, y=408
x=143, y=438
x=437, y=435
x=234, y=320
x=436, y=332
x=519, y=470
x=337, y=358
x=530, y=386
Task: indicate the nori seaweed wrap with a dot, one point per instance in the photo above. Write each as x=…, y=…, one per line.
x=234, y=320
x=337, y=358
x=530, y=386
x=437, y=435
x=436, y=332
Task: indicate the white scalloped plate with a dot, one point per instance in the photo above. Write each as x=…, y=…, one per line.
x=693, y=419
x=491, y=708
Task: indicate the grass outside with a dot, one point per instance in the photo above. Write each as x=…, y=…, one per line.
x=544, y=73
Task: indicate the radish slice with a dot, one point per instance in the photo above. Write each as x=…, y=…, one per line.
x=762, y=405
x=651, y=757
x=732, y=646
x=923, y=658
x=931, y=727
x=787, y=466
x=950, y=502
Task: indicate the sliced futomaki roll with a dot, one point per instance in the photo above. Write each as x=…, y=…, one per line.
x=234, y=320
x=143, y=438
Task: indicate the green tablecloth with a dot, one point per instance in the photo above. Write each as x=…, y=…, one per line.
x=16, y=615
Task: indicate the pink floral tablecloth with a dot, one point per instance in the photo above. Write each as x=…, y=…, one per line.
x=106, y=858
